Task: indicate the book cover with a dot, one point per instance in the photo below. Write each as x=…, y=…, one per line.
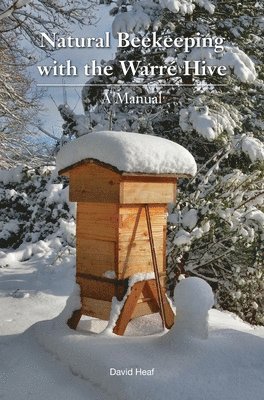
x=131, y=197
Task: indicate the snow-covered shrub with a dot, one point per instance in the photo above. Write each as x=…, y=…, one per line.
x=34, y=206
x=242, y=290
x=216, y=231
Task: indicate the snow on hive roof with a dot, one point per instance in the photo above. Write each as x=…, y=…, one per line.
x=129, y=152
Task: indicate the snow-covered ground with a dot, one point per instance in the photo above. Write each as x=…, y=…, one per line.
x=41, y=358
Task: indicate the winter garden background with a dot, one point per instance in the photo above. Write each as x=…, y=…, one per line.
x=215, y=229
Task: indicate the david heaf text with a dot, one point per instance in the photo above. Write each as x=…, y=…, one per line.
x=131, y=372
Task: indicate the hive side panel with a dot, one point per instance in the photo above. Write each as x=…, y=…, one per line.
x=96, y=238
x=137, y=259
x=134, y=252
x=96, y=308
x=95, y=257
x=133, y=223
x=97, y=221
x=93, y=183
x=142, y=192
x=99, y=289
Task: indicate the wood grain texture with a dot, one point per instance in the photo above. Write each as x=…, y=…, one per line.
x=97, y=221
x=96, y=308
x=95, y=256
x=94, y=181
x=134, y=192
x=112, y=237
x=101, y=290
x=94, y=184
x=128, y=308
x=134, y=253
x=135, y=257
x=133, y=224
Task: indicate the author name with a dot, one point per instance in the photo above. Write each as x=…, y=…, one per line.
x=131, y=372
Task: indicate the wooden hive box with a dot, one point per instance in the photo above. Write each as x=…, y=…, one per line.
x=112, y=235
x=121, y=220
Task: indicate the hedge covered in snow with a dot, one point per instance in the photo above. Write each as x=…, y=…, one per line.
x=35, y=212
x=38, y=220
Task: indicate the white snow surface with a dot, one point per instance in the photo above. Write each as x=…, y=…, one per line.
x=41, y=358
x=12, y=175
x=253, y=147
x=176, y=6
x=207, y=122
x=190, y=218
x=193, y=298
x=186, y=6
x=129, y=152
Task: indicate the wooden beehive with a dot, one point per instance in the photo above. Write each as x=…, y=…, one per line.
x=112, y=236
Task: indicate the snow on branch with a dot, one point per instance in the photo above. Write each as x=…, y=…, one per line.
x=253, y=147
x=137, y=19
x=208, y=5
x=48, y=133
x=131, y=21
x=208, y=122
x=186, y=6
x=178, y=6
x=242, y=65
x=142, y=13
x=232, y=57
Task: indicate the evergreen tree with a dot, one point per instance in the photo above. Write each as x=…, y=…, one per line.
x=215, y=229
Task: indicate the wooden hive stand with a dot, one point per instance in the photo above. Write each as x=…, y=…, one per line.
x=120, y=233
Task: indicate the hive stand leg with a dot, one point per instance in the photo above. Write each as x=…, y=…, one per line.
x=168, y=313
x=128, y=308
x=75, y=318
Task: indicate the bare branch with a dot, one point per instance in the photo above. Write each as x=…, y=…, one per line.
x=14, y=7
x=47, y=133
